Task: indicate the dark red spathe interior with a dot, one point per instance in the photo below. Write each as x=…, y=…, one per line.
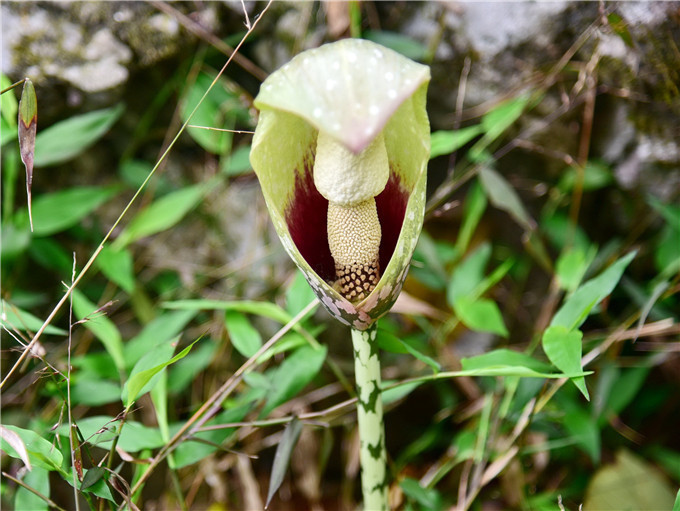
x=306, y=219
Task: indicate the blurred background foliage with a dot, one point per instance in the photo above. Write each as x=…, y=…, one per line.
x=553, y=202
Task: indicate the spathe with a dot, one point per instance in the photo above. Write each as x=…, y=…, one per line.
x=352, y=90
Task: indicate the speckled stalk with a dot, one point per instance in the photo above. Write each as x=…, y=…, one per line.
x=372, y=452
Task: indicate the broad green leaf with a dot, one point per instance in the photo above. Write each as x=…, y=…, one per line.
x=571, y=266
x=298, y=294
x=390, y=342
x=99, y=430
x=98, y=488
x=562, y=232
x=145, y=373
x=40, y=451
x=670, y=212
x=221, y=108
x=117, y=265
x=575, y=310
x=584, y=430
x=473, y=209
x=94, y=475
x=468, y=274
x=400, y=43
x=446, y=142
x=13, y=317
x=296, y=371
x=503, y=196
x=503, y=357
x=15, y=441
x=429, y=498
x=8, y=111
x=94, y=391
x=481, y=315
x=161, y=214
x=676, y=505
x=51, y=254
x=495, y=122
x=56, y=212
x=244, y=337
x=101, y=326
x=630, y=483
x=596, y=175
x=163, y=328
x=66, y=139
x=184, y=371
x=284, y=450
x=391, y=395
x=25, y=500
x=238, y=162
x=563, y=348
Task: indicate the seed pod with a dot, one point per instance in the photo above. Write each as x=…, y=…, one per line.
x=342, y=130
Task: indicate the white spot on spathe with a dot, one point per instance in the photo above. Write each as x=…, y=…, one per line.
x=378, y=53
x=336, y=65
x=330, y=84
x=369, y=130
x=411, y=215
x=330, y=305
x=389, y=76
x=391, y=93
x=351, y=57
x=373, y=110
x=318, y=112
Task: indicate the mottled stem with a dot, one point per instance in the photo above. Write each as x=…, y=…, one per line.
x=372, y=452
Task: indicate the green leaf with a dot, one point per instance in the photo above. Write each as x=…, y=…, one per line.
x=66, y=139
x=429, y=498
x=8, y=111
x=629, y=483
x=94, y=475
x=585, y=432
x=184, y=371
x=468, y=275
x=220, y=109
x=145, y=373
x=161, y=329
x=495, y=122
x=94, y=391
x=298, y=294
x=41, y=452
x=595, y=176
x=676, y=505
x=400, y=43
x=396, y=393
x=15, y=441
x=13, y=317
x=503, y=196
x=563, y=348
x=482, y=315
x=55, y=212
x=117, y=265
x=101, y=326
x=575, y=310
x=244, y=337
x=282, y=457
x=238, y=162
x=503, y=357
x=571, y=266
x=161, y=214
x=473, y=209
x=446, y=142
x=99, y=430
x=390, y=342
x=25, y=500
x=296, y=371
